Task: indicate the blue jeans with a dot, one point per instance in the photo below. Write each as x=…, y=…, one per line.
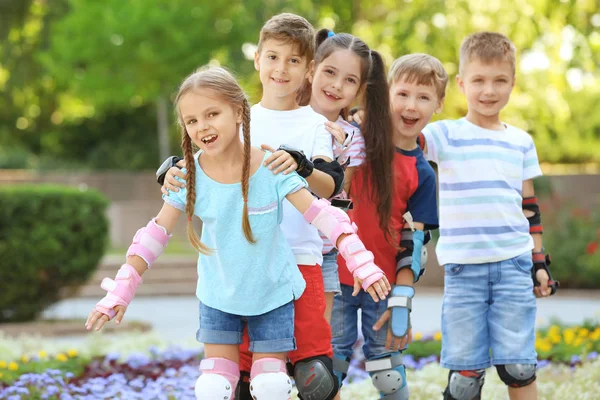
x=344, y=324
x=331, y=279
x=272, y=332
x=487, y=307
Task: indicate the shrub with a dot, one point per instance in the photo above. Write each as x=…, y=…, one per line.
x=51, y=237
x=572, y=237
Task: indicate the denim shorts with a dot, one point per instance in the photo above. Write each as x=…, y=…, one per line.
x=272, y=332
x=344, y=324
x=331, y=279
x=488, y=314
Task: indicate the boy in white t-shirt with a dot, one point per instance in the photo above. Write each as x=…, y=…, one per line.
x=489, y=225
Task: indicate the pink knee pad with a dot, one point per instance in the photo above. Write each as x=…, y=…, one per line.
x=220, y=376
x=269, y=380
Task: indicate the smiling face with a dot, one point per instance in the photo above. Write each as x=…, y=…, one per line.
x=487, y=87
x=412, y=106
x=282, y=69
x=211, y=122
x=335, y=83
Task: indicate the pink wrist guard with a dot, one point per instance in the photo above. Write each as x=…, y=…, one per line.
x=331, y=221
x=359, y=260
x=120, y=290
x=149, y=242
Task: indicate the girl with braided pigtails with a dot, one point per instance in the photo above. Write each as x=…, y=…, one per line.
x=247, y=276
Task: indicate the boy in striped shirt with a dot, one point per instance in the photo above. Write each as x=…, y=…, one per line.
x=489, y=225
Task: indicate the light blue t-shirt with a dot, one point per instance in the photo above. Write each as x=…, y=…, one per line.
x=240, y=277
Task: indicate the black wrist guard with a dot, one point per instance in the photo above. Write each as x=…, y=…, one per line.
x=305, y=166
x=541, y=261
x=334, y=170
x=161, y=172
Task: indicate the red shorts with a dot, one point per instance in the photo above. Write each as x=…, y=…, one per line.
x=311, y=330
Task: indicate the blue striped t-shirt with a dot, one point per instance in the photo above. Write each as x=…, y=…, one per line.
x=481, y=174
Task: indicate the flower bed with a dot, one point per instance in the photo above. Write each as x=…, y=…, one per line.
x=569, y=368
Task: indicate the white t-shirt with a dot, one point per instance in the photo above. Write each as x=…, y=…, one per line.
x=481, y=174
x=302, y=129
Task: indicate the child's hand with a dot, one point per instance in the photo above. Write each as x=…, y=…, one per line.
x=394, y=343
x=358, y=117
x=543, y=278
x=336, y=131
x=171, y=183
x=379, y=288
x=101, y=318
x=279, y=161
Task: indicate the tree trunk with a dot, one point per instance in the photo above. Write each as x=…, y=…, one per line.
x=162, y=120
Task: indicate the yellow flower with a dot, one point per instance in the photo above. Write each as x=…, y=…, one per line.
x=72, y=353
x=583, y=332
x=545, y=346
x=61, y=357
x=13, y=366
x=437, y=336
x=554, y=338
x=569, y=336
x=24, y=359
x=43, y=354
x=554, y=330
x=418, y=336
x=3, y=364
x=578, y=342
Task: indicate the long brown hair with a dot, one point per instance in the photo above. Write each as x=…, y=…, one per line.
x=223, y=84
x=377, y=128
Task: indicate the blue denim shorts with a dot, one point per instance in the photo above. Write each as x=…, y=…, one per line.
x=331, y=279
x=488, y=314
x=344, y=324
x=272, y=332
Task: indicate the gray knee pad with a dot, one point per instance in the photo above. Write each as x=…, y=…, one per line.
x=389, y=377
x=315, y=379
x=464, y=385
x=517, y=375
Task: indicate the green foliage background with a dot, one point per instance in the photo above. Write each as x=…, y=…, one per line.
x=80, y=79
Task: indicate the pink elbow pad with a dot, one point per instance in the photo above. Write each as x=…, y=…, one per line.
x=359, y=260
x=120, y=290
x=331, y=221
x=149, y=242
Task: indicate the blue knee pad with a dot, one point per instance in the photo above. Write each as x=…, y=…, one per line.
x=389, y=376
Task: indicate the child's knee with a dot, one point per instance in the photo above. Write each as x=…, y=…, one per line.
x=219, y=377
x=269, y=380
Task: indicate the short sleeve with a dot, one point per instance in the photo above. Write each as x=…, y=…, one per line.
x=356, y=150
x=323, y=145
x=287, y=184
x=436, y=137
x=531, y=165
x=177, y=199
x=423, y=202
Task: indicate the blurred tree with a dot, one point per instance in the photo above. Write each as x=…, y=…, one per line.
x=81, y=79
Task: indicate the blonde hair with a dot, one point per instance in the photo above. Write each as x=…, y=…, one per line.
x=222, y=83
x=290, y=28
x=486, y=47
x=422, y=69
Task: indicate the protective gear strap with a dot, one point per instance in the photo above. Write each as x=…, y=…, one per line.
x=535, y=221
x=305, y=166
x=464, y=385
x=340, y=150
x=149, y=242
x=161, y=172
x=414, y=253
x=389, y=377
x=400, y=301
x=269, y=380
x=516, y=375
x=541, y=261
x=341, y=365
x=333, y=169
x=218, y=380
x=315, y=379
x=120, y=290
